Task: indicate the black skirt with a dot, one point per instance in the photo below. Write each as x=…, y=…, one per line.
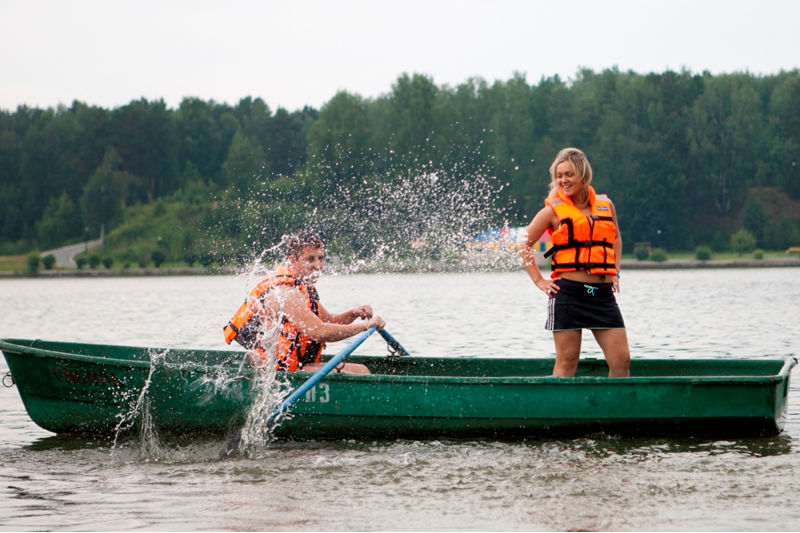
x=583, y=305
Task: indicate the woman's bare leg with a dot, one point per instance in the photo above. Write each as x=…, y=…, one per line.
x=614, y=343
x=568, y=352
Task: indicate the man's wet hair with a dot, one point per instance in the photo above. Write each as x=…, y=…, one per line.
x=296, y=242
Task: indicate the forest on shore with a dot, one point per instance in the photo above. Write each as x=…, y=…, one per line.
x=688, y=159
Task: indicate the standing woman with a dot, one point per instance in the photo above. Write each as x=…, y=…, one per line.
x=587, y=248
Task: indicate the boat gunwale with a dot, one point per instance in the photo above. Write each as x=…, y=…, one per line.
x=41, y=352
x=15, y=345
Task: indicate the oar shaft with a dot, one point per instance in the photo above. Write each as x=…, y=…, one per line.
x=324, y=371
x=391, y=341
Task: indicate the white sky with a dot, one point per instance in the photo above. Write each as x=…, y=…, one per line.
x=293, y=53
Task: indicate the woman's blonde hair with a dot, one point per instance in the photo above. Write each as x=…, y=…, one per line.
x=579, y=161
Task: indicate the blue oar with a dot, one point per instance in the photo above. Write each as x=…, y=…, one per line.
x=393, y=344
x=321, y=373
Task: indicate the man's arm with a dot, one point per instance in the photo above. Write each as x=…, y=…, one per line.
x=347, y=317
x=292, y=303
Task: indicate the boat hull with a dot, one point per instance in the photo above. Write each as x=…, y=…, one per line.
x=88, y=388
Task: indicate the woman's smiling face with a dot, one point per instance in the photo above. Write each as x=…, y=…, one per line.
x=567, y=179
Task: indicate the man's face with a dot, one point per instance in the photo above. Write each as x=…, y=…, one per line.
x=308, y=265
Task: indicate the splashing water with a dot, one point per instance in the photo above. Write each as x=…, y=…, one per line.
x=267, y=388
x=257, y=431
x=409, y=216
x=412, y=216
x=420, y=218
x=234, y=377
x=415, y=217
x=139, y=409
x=269, y=385
x=150, y=448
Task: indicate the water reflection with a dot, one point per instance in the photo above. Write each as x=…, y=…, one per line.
x=200, y=448
x=67, y=443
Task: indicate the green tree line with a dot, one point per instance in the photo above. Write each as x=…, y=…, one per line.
x=689, y=159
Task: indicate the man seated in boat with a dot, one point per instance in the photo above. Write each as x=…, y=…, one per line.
x=284, y=311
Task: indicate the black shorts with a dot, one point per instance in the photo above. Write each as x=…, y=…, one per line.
x=583, y=305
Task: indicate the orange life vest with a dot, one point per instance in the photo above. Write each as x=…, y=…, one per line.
x=581, y=242
x=293, y=349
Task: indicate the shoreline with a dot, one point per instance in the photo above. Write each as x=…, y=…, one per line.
x=670, y=264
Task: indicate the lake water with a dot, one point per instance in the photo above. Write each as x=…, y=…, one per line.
x=589, y=483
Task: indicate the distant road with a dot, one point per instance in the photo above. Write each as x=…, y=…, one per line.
x=65, y=256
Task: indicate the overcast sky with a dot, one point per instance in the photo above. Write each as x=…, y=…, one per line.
x=293, y=53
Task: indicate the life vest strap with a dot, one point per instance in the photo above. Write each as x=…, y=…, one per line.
x=576, y=245
x=582, y=266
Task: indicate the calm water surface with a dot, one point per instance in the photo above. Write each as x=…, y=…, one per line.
x=595, y=482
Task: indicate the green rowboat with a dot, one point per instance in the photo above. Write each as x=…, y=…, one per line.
x=73, y=388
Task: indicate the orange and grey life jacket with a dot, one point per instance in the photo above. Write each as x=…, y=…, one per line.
x=293, y=349
x=583, y=242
